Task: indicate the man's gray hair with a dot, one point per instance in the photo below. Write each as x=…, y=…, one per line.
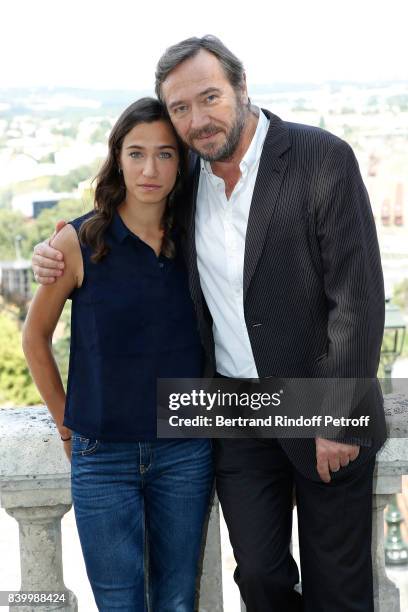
x=186, y=49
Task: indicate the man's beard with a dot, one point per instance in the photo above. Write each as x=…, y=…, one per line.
x=232, y=139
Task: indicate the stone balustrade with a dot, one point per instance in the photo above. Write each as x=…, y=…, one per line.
x=35, y=490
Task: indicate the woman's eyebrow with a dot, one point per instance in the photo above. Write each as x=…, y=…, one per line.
x=164, y=146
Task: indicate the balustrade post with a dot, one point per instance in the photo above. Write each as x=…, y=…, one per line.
x=40, y=550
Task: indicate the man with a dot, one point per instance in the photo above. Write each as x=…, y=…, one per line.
x=286, y=278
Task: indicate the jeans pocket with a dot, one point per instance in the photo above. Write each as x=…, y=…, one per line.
x=200, y=448
x=81, y=445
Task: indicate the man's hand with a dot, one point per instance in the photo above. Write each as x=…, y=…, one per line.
x=331, y=456
x=47, y=263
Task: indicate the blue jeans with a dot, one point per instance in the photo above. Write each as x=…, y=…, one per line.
x=129, y=496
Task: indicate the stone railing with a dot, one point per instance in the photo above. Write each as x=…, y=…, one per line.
x=35, y=490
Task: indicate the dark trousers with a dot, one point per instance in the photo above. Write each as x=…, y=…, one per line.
x=255, y=482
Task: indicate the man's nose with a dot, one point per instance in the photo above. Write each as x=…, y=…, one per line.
x=199, y=118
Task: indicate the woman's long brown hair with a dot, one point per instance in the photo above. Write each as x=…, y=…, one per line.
x=110, y=189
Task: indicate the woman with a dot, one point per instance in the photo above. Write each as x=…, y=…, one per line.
x=132, y=322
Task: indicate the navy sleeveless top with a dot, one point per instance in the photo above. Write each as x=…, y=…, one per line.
x=132, y=322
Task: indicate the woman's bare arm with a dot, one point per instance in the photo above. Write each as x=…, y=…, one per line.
x=43, y=315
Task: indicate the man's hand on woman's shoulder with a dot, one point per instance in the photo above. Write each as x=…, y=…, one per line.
x=47, y=262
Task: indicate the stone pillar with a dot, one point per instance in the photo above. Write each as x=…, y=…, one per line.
x=386, y=594
x=39, y=513
x=35, y=490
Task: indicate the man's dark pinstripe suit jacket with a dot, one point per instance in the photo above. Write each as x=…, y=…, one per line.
x=313, y=284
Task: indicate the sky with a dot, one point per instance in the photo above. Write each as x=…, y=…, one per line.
x=115, y=44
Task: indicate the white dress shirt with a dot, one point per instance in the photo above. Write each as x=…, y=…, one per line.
x=220, y=232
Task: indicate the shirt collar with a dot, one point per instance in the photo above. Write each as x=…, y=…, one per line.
x=254, y=151
x=118, y=229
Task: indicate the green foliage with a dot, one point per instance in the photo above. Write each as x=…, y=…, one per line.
x=101, y=133
x=347, y=131
x=373, y=101
x=70, y=181
x=389, y=360
x=44, y=225
x=68, y=130
x=6, y=195
x=61, y=346
x=16, y=385
x=47, y=159
x=398, y=102
x=400, y=296
x=404, y=352
x=12, y=224
x=41, y=183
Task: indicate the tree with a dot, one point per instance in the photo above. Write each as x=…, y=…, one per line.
x=16, y=384
x=101, y=133
x=6, y=196
x=44, y=225
x=70, y=181
x=12, y=224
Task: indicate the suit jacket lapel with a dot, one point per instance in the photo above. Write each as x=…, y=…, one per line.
x=271, y=171
x=190, y=252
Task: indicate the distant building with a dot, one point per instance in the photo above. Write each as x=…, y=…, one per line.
x=39, y=205
x=31, y=204
x=15, y=280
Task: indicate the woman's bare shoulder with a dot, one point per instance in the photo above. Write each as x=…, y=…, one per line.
x=66, y=240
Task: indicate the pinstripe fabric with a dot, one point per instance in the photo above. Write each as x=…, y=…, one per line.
x=313, y=285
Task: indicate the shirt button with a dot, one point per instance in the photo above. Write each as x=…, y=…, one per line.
x=161, y=265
